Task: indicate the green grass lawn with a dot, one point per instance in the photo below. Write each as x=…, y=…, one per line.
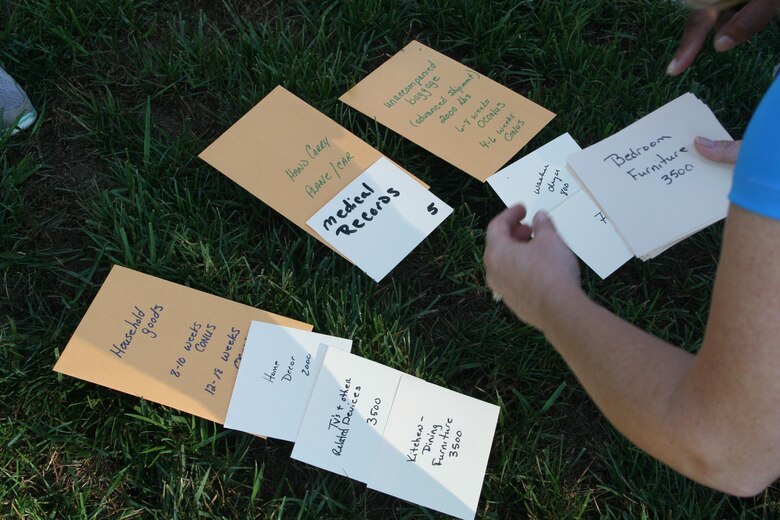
x=132, y=90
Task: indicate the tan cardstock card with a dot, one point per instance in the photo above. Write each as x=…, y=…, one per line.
x=290, y=155
x=465, y=118
x=651, y=182
x=164, y=342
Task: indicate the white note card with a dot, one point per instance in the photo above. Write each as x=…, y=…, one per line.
x=435, y=448
x=540, y=180
x=346, y=416
x=278, y=370
x=590, y=235
x=650, y=181
x=379, y=218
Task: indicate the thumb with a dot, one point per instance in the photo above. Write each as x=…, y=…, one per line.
x=718, y=151
x=543, y=224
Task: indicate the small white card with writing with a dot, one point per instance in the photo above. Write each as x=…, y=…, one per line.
x=435, y=448
x=540, y=180
x=275, y=379
x=346, y=416
x=650, y=181
x=588, y=232
x=379, y=218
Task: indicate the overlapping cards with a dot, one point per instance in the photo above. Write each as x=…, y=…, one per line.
x=652, y=183
x=344, y=192
x=163, y=342
x=271, y=376
x=636, y=193
x=541, y=181
x=327, y=181
x=281, y=365
x=394, y=432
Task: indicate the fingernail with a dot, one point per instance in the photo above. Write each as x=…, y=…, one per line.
x=704, y=142
x=723, y=43
x=541, y=216
x=671, y=69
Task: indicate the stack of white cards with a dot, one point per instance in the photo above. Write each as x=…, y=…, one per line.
x=541, y=181
x=396, y=433
x=651, y=182
x=635, y=193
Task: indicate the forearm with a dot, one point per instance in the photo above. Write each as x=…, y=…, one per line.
x=633, y=377
x=713, y=416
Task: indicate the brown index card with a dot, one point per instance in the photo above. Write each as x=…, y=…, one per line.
x=290, y=155
x=465, y=118
x=164, y=342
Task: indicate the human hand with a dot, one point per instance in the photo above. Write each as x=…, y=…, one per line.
x=718, y=151
x=732, y=27
x=529, y=274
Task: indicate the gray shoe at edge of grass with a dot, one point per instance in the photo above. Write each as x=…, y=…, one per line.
x=16, y=110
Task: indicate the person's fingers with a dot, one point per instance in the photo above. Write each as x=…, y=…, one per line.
x=503, y=223
x=720, y=151
x=522, y=232
x=745, y=23
x=698, y=25
x=543, y=224
x=723, y=17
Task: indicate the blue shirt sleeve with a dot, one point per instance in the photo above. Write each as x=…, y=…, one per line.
x=756, y=185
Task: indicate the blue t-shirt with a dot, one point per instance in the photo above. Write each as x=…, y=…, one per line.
x=756, y=185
